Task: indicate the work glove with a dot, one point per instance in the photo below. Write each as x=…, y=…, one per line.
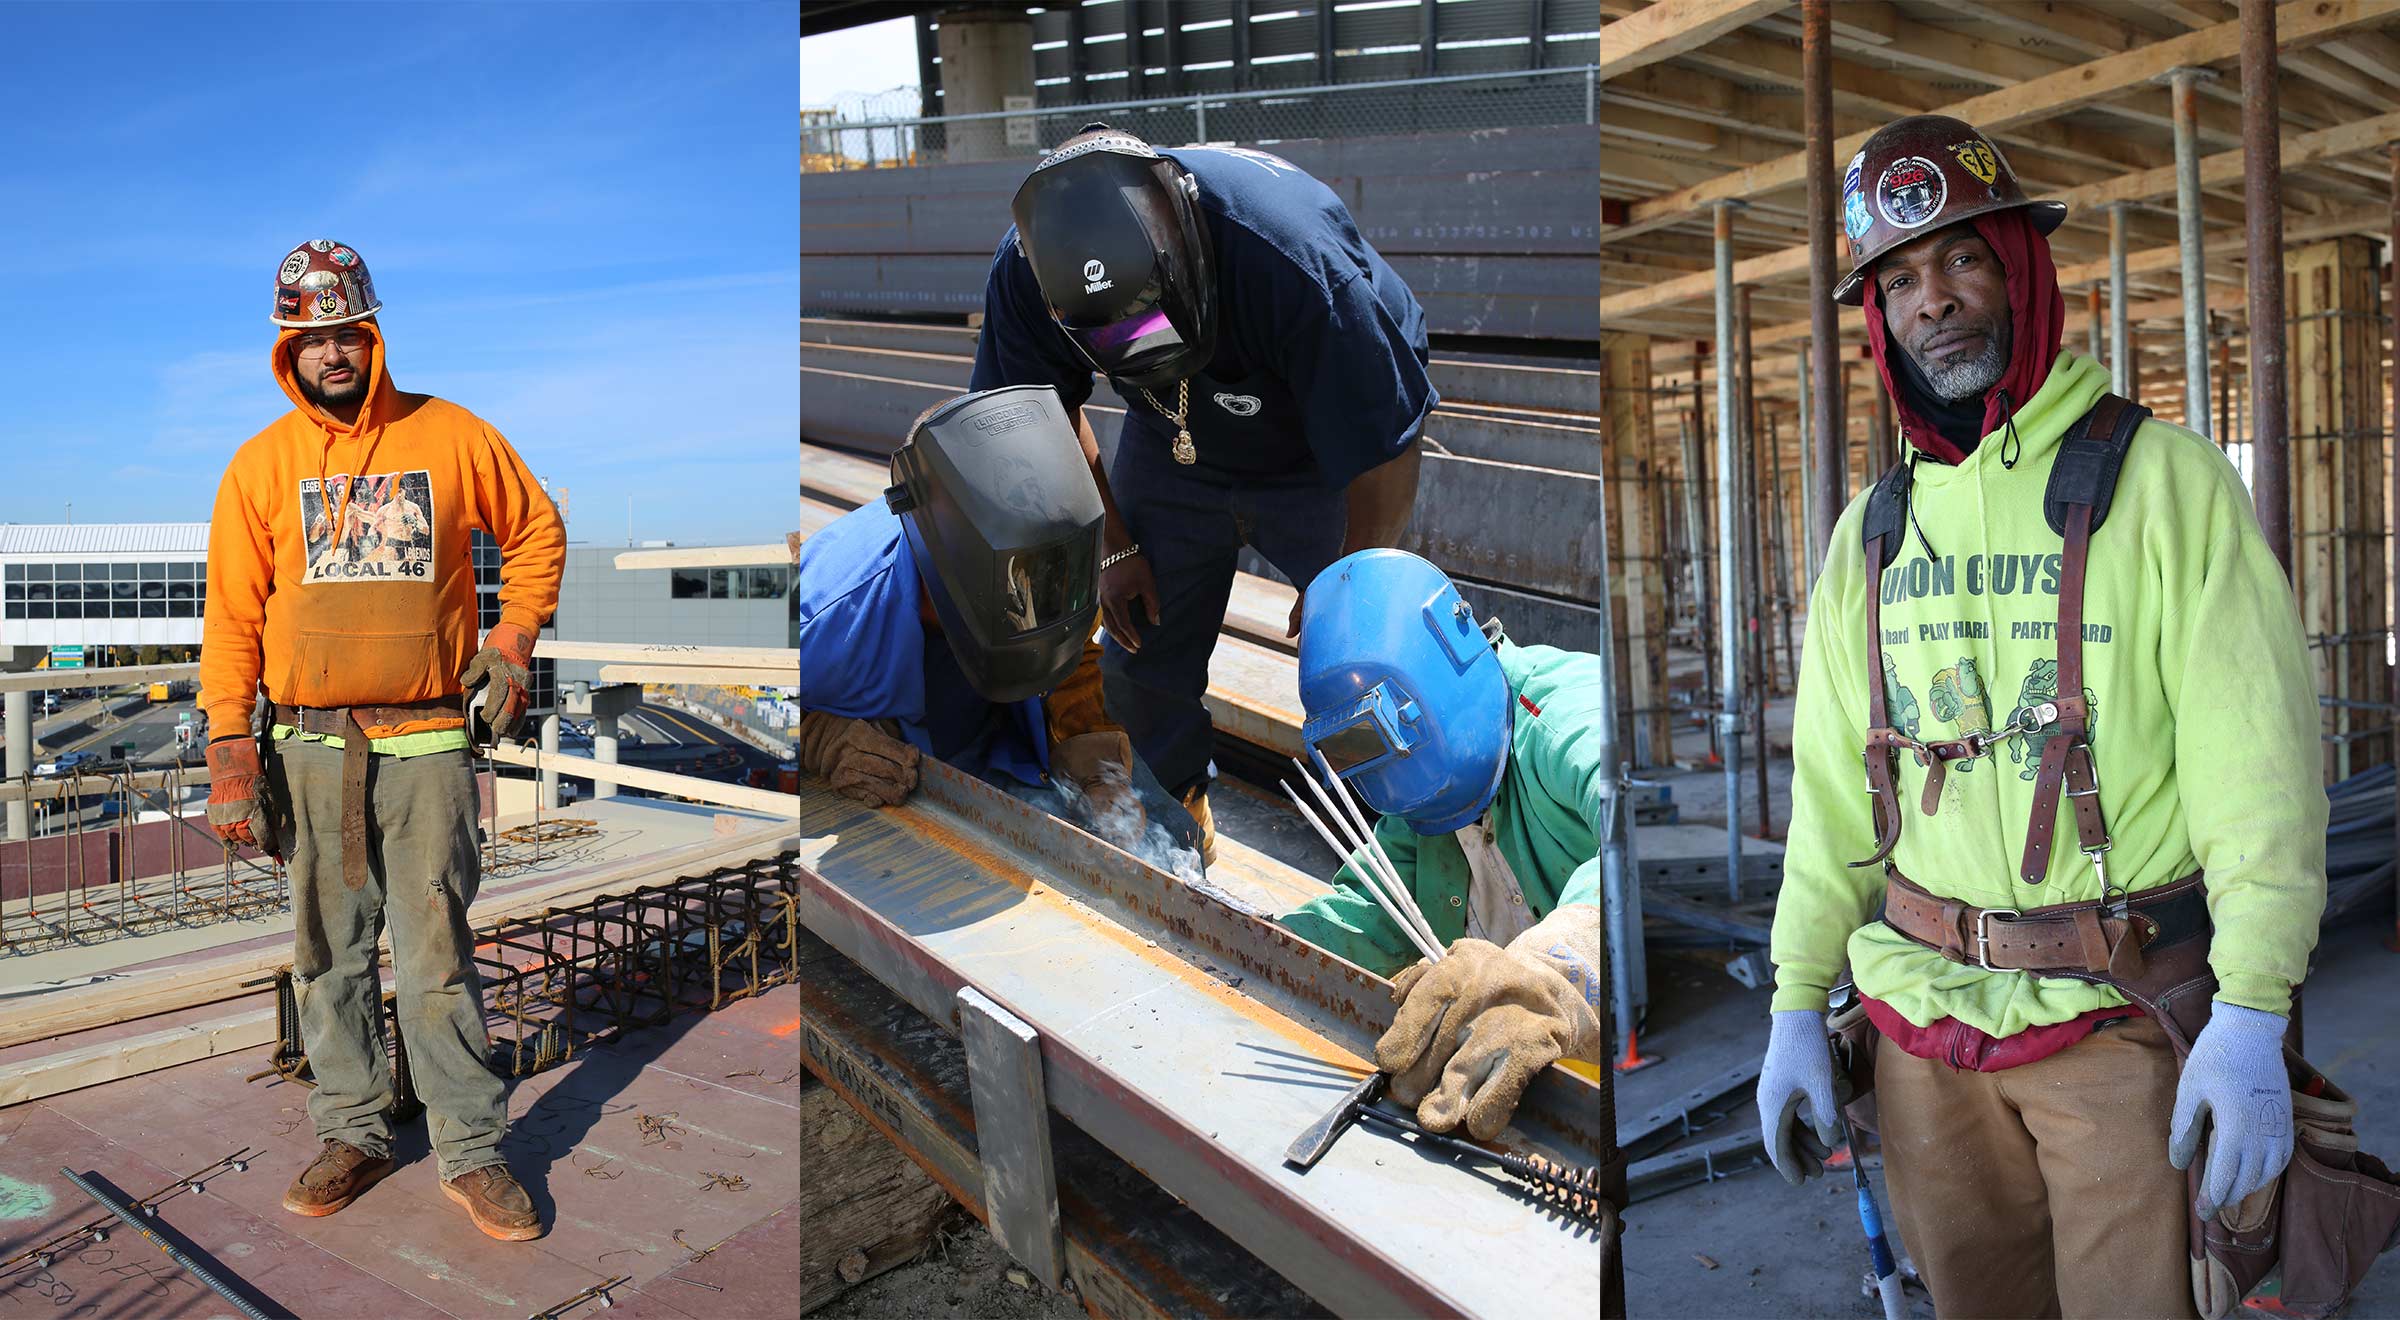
x=2236, y=1090
x=237, y=796
x=1476, y=1028
x=1100, y=767
x=504, y=664
x=865, y=763
x=1798, y=1071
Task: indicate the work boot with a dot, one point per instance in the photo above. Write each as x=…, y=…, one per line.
x=496, y=1202
x=334, y=1179
x=1195, y=801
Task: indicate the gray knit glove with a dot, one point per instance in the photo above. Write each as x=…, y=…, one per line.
x=2235, y=1089
x=1798, y=1071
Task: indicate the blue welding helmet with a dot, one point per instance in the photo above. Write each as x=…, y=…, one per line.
x=1404, y=694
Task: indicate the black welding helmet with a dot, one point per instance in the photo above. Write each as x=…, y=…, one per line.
x=1117, y=242
x=1003, y=520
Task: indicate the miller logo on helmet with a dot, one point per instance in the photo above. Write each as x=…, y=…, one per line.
x=322, y=282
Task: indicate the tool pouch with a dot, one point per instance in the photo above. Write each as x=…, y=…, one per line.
x=1854, y=1039
x=272, y=821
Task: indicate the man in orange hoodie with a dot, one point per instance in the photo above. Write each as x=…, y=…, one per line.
x=339, y=579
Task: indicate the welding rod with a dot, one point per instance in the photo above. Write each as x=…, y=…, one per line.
x=1377, y=863
x=1393, y=906
x=190, y=1266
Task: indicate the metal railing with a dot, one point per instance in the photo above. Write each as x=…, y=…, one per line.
x=1520, y=98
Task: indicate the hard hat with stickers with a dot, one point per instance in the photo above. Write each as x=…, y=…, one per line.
x=322, y=282
x=1919, y=174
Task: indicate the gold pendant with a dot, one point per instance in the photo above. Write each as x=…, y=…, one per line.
x=1185, y=452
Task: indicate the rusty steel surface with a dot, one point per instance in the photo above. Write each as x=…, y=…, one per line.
x=1829, y=481
x=1195, y=1040
x=2262, y=197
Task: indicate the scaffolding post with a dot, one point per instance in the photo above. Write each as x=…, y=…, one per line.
x=1829, y=477
x=2183, y=84
x=2262, y=197
x=2121, y=365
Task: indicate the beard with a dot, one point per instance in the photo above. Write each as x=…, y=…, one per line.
x=1966, y=378
x=335, y=396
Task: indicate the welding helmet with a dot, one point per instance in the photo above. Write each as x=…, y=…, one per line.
x=1403, y=692
x=1003, y=520
x=1114, y=233
x=321, y=282
x=1920, y=174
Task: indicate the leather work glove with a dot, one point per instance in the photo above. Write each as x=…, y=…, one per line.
x=2234, y=1088
x=237, y=795
x=1100, y=767
x=1476, y=1028
x=865, y=763
x=504, y=664
x=1798, y=1071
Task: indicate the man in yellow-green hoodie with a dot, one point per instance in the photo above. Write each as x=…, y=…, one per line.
x=2033, y=1119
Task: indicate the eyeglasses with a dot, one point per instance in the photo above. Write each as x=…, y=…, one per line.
x=316, y=344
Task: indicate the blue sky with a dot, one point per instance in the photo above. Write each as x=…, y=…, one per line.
x=582, y=220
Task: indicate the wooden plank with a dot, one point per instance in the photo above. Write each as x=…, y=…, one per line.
x=868, y=1207
x=738, y=796
x=700, y=675
x=2298, y=26
x=135, y=1055
x=36, y=680
x=1254, y=694
x=780, y=658
x=708, y=556
x=147, y=993
x=1671, y=27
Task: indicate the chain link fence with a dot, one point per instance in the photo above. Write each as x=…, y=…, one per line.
x=874, y=130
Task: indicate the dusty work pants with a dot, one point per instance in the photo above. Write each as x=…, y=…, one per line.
x=1192, y=530
x=422, y=872
x=2042, y=1190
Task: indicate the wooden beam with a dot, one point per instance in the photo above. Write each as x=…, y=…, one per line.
x=699, y=675
x=2074, y=26
x=35, y=680
x=111, y=1060
x=1671, y=27
x=2299, y=25
x=709, y=556
x=741, y=796
x=776, y=658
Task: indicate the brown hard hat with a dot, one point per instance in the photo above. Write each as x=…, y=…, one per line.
x=1917, y=175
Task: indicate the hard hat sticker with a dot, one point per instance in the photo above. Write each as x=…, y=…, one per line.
x=1854, y=215
x=1976, y=156
x=1850, y=176
x=1911, y=191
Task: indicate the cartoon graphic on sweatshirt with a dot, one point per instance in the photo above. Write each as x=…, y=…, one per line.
x=1899, y=704
x=2041, y=684
x=385, y=531
x=1958, y=697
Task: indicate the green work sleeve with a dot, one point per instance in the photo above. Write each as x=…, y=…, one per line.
x=1566, y=761
x=1823, y=898
x=2248, y=759
x=1348, y=923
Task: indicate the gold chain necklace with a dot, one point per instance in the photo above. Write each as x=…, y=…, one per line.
x=1185, y=452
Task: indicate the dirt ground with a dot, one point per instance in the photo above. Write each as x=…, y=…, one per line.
x=963, y=1275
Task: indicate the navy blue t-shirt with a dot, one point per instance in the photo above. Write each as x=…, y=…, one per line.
x=1320, y=366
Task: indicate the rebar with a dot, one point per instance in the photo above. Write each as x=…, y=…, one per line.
x=173, y=1253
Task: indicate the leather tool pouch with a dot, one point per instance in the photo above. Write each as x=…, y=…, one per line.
x=275, y=799
x=1854, y=1040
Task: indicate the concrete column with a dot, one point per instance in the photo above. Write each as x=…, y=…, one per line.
x=17, y=709
x=986, y=56
x=2338, y=485
x=604, y=749
x=549, y=797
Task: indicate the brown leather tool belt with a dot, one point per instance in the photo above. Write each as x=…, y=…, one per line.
x=350, y=724
x=2088, y=939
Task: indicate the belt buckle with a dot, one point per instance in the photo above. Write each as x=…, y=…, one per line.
x=1983, y=936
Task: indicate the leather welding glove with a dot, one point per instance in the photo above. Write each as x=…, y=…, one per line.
x=864, y=763
x=505, y=665
x=2235, y=1089
x=1798, y=1071
x=1476, y=1028
x=1100, y=767
x=237, y=795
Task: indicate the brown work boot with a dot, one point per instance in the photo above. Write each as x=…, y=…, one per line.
x=1196, y=802
x=496, y=1202
x=334, y=1179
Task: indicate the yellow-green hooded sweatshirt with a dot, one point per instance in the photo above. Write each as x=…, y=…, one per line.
x=2204, y=723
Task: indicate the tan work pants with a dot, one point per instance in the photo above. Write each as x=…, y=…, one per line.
x=2043, y=1190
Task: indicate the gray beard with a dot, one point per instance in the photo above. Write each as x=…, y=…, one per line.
x=1968, y=379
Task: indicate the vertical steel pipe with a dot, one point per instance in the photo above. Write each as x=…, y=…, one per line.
x=1829, y=477
x=1813, y=506
x=1729, y=622
x=2262, y=200
x=2092, y=300
x=2183, y=84
x=1754, y=552
x=2224, y=380
x=1695, y=490
x=2122, y=372
x=2391, y=420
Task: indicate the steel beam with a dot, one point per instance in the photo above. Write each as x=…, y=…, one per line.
x=1225, y=1036
x=2262, y=198
x=2183, y=84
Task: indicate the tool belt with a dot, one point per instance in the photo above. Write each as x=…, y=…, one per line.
x=350, y=724
x=2334, y=1209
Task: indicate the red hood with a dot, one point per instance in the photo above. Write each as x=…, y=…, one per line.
x=2037, y=315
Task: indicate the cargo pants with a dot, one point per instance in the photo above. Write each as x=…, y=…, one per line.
x=1192, y=529
x=422, y=873
x=2041, y=1190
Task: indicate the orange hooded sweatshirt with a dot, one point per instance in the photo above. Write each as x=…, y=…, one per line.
x=338, y=564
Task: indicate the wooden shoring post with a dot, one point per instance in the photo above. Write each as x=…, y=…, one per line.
x=2339, y=487
x=2262, y=197
x=1630, y=468
x=1782, y=545
x=1829, y=478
